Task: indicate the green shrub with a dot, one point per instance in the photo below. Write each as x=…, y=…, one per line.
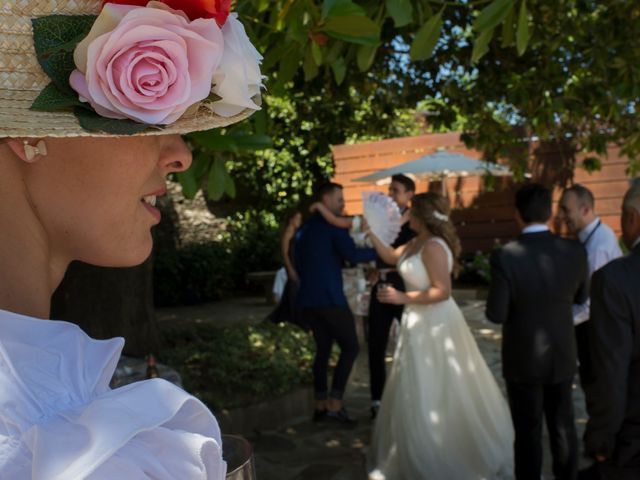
x=239, y=365
x=194, y=273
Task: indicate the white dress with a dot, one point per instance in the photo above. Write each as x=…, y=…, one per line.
x=442, y=415
x=59, y=420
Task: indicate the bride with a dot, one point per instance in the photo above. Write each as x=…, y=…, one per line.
x=442, y=414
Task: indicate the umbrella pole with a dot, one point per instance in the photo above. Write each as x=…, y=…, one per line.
x=443, y=184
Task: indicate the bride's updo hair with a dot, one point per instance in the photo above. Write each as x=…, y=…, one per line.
x=432, y=210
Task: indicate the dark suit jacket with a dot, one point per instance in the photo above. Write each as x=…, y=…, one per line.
x=535, y=280
x=613, y=400
x=321, y=250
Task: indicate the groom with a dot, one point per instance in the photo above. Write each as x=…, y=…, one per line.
x=321, y=250
x=535, y=280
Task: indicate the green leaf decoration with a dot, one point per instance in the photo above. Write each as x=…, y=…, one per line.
x=522, y=39
x=481, y=46
x=216, y=181
x=365, y=56
x=51, y=99
x=354, y=29
x=401, y=11
x=93, y=122
x=507, y=29
x=339, y=68
x=492, y=15
x=340, y=8
x=426, y=38
x=53, y=38
x=592, y=164
x=309, y=66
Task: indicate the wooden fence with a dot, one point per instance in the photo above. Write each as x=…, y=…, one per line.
x=482, y=217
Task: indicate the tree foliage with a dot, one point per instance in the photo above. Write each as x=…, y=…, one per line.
x=565, y=71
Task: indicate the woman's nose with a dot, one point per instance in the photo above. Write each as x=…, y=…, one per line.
x=175, y=155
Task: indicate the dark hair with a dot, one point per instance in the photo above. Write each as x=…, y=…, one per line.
x=533, y=202
x=427, y=207
x=583, y=194
x=327, y=188
x=409, y=184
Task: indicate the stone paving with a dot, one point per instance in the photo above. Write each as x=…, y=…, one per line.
x=306, y=451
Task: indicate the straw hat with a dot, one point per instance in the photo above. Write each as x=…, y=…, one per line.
x=22, y=79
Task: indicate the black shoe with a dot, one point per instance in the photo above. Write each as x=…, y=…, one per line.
x=319, y=415
x=374, y=411
x=340, y=416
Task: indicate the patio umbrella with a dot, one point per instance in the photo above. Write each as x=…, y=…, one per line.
x=440, y=165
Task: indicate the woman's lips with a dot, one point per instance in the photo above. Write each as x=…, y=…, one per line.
x=152, y=210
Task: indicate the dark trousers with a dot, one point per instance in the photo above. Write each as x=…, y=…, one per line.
x=381, y=317
x=609, y=471
x=585, y=368
x=330, y=324
x=528, y=403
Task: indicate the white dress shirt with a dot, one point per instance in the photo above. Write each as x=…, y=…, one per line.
x=635, y=244
x=535, y=228
x=602, y=247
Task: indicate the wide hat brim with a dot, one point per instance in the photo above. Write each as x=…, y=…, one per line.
x=22, y=79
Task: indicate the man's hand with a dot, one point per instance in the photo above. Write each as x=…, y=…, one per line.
x=601, y=458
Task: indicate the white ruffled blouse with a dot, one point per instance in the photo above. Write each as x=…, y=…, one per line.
x=60, y=420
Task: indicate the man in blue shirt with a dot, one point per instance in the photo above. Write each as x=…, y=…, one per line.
x=321, y=250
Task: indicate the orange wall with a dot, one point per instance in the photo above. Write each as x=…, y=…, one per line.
x=481, y=217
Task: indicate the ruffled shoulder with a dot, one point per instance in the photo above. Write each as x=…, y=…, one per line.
x=47, y=365
x=54, y=385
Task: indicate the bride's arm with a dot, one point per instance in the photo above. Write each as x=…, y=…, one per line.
x=436, y=262
x=341, y=222
x=387, y=253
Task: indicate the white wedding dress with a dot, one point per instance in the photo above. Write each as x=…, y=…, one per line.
x=442, y=416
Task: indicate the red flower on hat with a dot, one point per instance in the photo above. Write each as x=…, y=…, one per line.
x=218, y=9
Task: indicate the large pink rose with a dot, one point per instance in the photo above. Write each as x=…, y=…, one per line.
x=146, y=64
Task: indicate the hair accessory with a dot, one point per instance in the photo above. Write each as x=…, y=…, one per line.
x=31, y=151
x=441, y=216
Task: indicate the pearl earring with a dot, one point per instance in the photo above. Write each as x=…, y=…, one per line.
x=31, y=151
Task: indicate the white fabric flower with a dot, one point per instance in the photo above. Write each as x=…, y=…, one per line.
x=238, y=76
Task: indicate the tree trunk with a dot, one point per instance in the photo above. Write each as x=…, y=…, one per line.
x=110, y=302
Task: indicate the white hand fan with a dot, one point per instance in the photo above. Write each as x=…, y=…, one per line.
x=382, y=215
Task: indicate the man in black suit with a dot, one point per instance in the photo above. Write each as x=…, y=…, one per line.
x=613, y=400
x=535, y=280
x=381, y=315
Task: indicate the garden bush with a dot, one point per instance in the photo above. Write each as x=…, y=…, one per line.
x=193, y=273
x=240, y=365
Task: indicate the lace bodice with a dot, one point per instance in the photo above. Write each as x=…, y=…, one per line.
x=413, y=271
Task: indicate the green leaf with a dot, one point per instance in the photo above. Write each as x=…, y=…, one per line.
x=93, y=122
x=309, y=66
x=229, y=186
x=354, y=29
x=507, y=29
x=215, y=183
x=316, y=51
x=492, y=15
x=231, y=141
x=52, y=99
x=340, y=8
x=426, y=38
x=481, y=46
x=191, y=179
x=592, y=164
x=53, y=37
x=339, y=68
x=401, y=11
x=365, y=56
x=523, y=36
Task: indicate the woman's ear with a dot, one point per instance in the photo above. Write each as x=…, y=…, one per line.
x=25, y=150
